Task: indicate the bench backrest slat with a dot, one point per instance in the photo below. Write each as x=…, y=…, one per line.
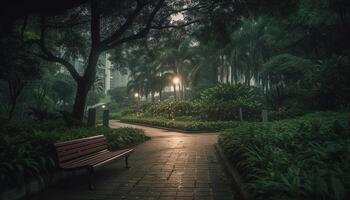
x=72, y=149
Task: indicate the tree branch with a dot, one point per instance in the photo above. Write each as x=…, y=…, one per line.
x=95, y=24
x=141, y=33
x=175, y=26
x=116, y=35
x=173, y=12
x=49, y=56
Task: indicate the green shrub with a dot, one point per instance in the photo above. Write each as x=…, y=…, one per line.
x=169, y=108
x=123, y=137
x=129, y=111
x=219, y=103
x=303, y=158
x=115, y=115
x=223, y=101
x=284, y=113
x=193, y=125
x=20, y=157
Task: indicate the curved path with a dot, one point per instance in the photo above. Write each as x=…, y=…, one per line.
x=171, y=165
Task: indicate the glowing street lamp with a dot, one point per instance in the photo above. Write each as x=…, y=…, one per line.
x=176, y=80
x=137, y=97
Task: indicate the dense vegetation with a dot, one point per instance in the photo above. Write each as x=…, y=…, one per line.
x=302, y=158
x=216, y=108
x=199, y=65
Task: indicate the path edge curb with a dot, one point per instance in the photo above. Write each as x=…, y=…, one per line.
x=236, y=178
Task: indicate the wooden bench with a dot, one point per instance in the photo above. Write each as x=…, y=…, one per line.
x=87, y=153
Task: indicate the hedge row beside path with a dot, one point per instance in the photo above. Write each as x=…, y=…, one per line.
x=194, y=125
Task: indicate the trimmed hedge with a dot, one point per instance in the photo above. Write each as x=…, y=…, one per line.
x=194, y=125
x=303, y=158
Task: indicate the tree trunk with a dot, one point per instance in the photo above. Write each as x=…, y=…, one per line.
x=174, y=91
x=84, y=85
x=15, y=89
x=152, y=96
x=80, y=102
x=12, y=107
x=227, y=73
x=160, y=95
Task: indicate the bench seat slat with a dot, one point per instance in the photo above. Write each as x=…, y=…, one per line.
x=124, y=154
x=77, y=145
x=96, y=159
x=83, y=158
x=59, y=144
x=83, y=153
x=81, y=148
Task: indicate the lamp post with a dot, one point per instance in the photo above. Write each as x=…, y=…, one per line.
x=137, y=97
x=105, y=115
x=176, y=81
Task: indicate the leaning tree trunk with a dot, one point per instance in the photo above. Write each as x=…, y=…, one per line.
x=84, y=85
x=80, y=102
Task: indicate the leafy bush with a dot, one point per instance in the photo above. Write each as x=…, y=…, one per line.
x=223, y=101
x=284, y=113
x=123, y=137
x=194, y=125
x=20, y=158
x=115, y=115
x=169, y=108
x=219, y=103
x=302, y=158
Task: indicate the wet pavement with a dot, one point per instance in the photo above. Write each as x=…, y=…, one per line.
x=171, y=165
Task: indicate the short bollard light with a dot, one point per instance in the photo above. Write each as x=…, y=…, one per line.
x=105, y=115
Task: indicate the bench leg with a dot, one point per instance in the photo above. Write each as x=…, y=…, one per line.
x=91, y=176
x=126, y=162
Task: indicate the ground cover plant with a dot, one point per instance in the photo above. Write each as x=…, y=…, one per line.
x=303, y=158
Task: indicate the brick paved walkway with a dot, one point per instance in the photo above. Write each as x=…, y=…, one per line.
x=171, y=165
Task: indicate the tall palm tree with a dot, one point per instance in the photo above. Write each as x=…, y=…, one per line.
x=247, y=50
x=180, y=61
